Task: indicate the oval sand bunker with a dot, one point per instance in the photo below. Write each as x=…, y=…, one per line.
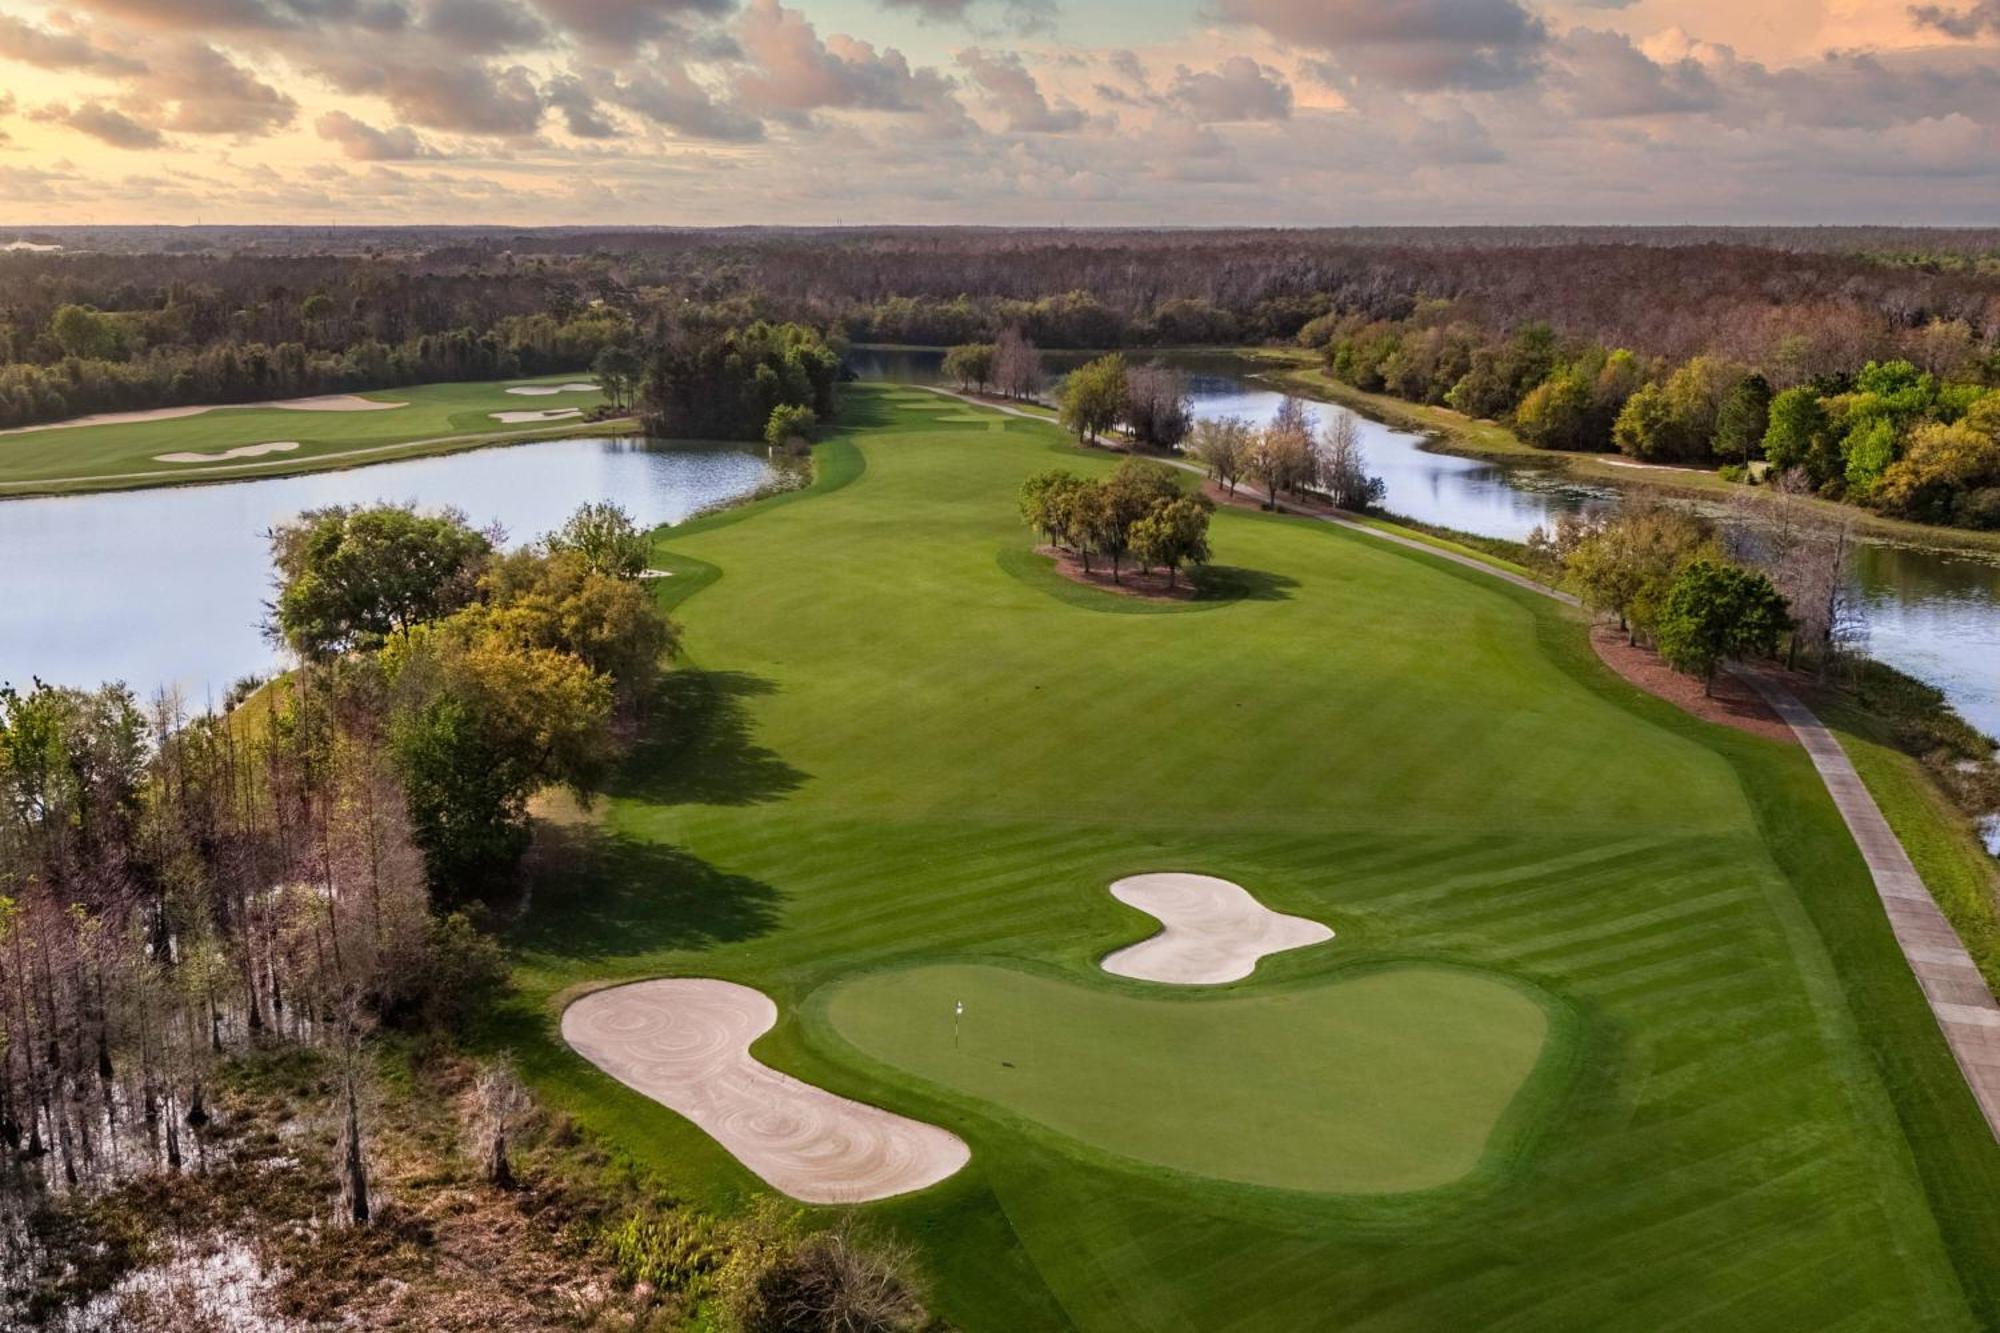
x=1211, y=930
x=547, y=414
x=241, y=451
x=685, y=1042
x=544, y=390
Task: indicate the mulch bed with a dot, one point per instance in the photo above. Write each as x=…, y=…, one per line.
x=1147, y=587
x=1733, y=704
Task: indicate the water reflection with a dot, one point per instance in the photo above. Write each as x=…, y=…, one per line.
x=168, y=586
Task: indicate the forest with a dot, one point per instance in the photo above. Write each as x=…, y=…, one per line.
x=1861, y=352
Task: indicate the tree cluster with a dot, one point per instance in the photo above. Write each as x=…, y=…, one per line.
x=708, y=382
x=1662, y=572
x=1150, y=402
x=1139, y=512
x=490, y=675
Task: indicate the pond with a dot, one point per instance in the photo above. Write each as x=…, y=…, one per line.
x=167, y=587
x=1933, y=614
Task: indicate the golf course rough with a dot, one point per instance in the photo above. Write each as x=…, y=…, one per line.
x=886, y=754
x=685, y=1042
x=1211, y=931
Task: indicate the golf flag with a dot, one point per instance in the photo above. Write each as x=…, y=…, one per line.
x=958, y=1009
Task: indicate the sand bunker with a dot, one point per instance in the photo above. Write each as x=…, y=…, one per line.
x=241, y=451
x=547, y=414
x=544, y=390
x=685, y=1042
x=326, y=402
x=1211, y=930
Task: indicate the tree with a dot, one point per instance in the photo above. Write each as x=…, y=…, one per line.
x=1222, y=445
x=1017, y=366
x=1048, y=505
x=1716, y=612
x=87, y=333
x=1173, y=534
x=618, y=370
x=1282, y=460
x=1645, y=428
x=1940, y=470
x=1743, y=420
x=1558, y=412
x=1093, y=398
x=1798, y=435
x=1341, y=465
x=350, y=577
x=1626, y=565
x=1158, y=407
x=790, y=427
x=971, y=365
x=604, y=537
x=479, y=725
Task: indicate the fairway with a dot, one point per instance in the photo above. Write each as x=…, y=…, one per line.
x=1393, y=1080
x=232, y=442
x=896, y=769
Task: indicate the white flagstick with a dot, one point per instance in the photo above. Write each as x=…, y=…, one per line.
x=957, y=1012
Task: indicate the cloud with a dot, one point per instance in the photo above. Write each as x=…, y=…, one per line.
x=668, y=95
x=1602, y=75
x=1009, y=87
x=1020, y=16
x=103, y=123
x=1454, y=137
x=623, y=24
x=364, y=143
x=23, y=41
x=484, y=27
x=1237, y=89
x=793, y=72
x=1964, y=24
x=212, y=94
x=470, y=98
x=1418, y=44
x=582, y=116
x=249, y=15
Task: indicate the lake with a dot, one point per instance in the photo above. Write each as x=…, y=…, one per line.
x=168, y=587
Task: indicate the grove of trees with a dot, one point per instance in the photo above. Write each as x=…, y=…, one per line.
x=1139, y=510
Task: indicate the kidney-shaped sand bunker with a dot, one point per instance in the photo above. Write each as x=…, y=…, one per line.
x=685, y=1042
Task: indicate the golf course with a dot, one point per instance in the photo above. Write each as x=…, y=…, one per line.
x=176, y=445
x=1605, y=1027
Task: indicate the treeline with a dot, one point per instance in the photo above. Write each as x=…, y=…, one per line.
x=175, y=888
x=1916, y=437
x=104, y=375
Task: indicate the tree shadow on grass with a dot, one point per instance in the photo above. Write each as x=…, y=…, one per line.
x=1232, y=583
x=698, y=748
x=610, y=895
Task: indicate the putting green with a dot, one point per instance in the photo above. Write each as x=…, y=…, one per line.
x=1388, y=1081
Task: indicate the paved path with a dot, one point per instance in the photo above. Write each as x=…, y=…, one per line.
x=1960, y=1000
x=1959, y=997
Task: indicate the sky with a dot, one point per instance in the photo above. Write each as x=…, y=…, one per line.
x=1031, y=112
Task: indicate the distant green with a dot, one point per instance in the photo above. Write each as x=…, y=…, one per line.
x=433, y=418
